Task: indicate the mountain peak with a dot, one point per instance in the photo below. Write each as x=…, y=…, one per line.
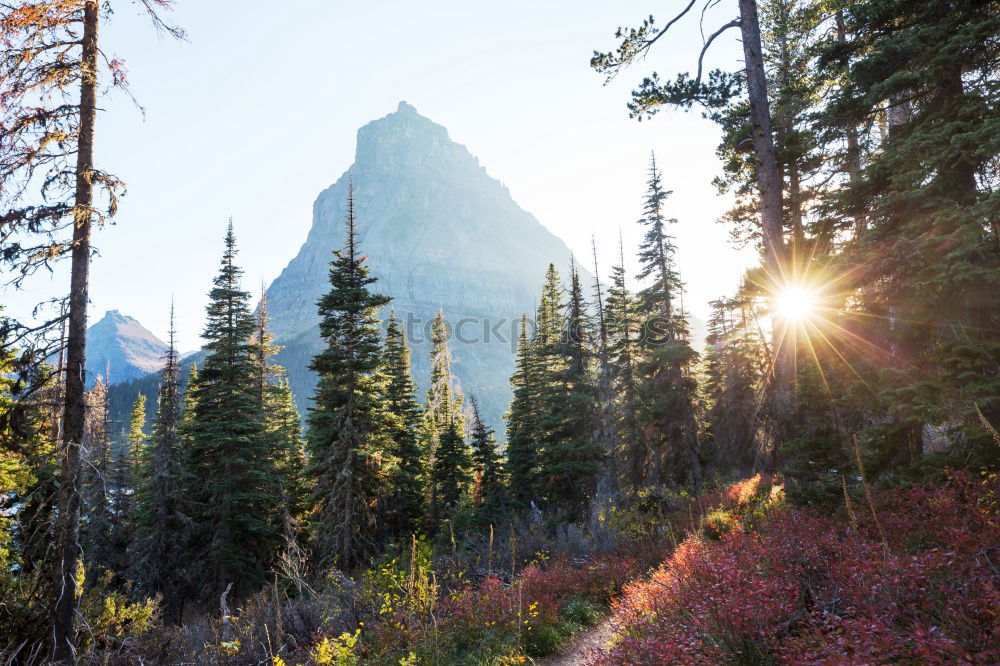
x=120, y=345
x=405, y=140
x=441, y=234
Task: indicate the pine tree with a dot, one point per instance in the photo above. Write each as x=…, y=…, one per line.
x=161, y=512
x=739, y=101
x=667, y=386
x=48, y=181
x=122, y=485
x=443, y=418
x=28, y=484
x=734, y=365
x=282, y=429
x=451, y=473
x=522, y=424
x=232, y=537
x=929, y=262
x=570, y=457
x=348, y=438
x=97, y=514
x=406, y=503
x=491, y=494
x=623, y=333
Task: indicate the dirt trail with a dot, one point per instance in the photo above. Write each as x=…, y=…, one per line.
x=584, y=647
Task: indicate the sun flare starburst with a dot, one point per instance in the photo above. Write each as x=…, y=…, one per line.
x=795, y=303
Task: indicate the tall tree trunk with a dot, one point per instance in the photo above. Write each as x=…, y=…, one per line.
x=68, y=547
x=788, y=165
x=769, y=184
x=853, y=147
x=347, y=546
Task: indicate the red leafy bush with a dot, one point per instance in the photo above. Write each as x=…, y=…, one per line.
x=804, y=588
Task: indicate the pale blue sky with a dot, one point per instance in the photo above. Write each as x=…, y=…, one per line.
x=257, y=113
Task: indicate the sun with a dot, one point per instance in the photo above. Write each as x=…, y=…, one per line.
x=795, y=303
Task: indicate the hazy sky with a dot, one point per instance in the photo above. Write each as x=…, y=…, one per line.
x=257, y=112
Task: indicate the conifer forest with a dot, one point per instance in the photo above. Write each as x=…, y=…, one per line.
x=810, y=474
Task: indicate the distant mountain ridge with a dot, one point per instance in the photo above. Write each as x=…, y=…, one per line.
x=122, y=349
x=439, y=232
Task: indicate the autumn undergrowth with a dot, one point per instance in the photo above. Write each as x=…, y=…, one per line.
x=739, y=577
x=911, y=577
x=471, y=597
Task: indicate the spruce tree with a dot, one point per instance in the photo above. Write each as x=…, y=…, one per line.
x=161, y=512
x=282, y=429
x=233, y=537
x=97, y=514
x=189, y=398
x=548, y=366
x=570, y=457
x=522, y=424
x=929, y=262
x=122, y=485
x=733, y=367
x=667, y=385
x=348, y=438
x=451, y=473
x=406, y=503
x=623, y=330
x=443, y=418
x=491, y=490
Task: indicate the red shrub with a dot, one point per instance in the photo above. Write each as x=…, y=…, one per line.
x=806, y=589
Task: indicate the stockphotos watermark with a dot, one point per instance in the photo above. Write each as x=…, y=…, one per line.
x=507, y=330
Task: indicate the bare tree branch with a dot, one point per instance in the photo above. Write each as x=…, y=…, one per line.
x=735, y=23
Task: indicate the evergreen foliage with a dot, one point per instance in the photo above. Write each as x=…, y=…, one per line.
x=97, y=519
x=233, y=537
x=348, y=437
x=859, y=143
x=444, y=429
x=452, y=476
x=406, y=503
x=491, y=490
x=121, y=486
x=734, y=365
x=28, y=472
x=161, y=511
x=570, y=457
x=930, y=252
x=522, y=423
x=666, y=384
x=282, y=429
x=623, y=334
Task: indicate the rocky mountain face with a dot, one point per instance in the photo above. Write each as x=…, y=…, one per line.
x=439, y=232
x=123, y=348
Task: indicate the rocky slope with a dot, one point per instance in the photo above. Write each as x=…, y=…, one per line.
x=121, y=348
x=439, y=232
